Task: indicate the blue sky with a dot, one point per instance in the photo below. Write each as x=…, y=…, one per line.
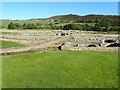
x=27, y=10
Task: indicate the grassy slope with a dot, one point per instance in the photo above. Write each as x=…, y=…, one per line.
x=6, y=22
x=7, y=44
x=61, y=69
x=43, y=22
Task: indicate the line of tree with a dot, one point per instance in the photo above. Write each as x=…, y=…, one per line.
x=23, y=26
x=12, y=25
x=72, y=27
x=113, y=22
x=101, y=25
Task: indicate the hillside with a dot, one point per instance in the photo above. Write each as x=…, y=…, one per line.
x=75, y=17
x=56, y=22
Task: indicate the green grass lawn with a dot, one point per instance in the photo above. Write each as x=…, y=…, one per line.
x=7, y=44
x=61, y=69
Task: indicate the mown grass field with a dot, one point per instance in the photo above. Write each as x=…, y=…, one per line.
x=8, y=44
x=61, y=69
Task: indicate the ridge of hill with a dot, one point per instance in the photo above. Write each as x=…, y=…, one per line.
x=74, y=17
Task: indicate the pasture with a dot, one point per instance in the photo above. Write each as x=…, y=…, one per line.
x=61, y=69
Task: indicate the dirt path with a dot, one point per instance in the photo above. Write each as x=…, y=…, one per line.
x=38, y=47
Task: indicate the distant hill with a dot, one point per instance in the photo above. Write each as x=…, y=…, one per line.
x=70, y=18
x=74, y=17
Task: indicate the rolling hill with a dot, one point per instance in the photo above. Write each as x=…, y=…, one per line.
x=92, y=18
x=74, y=17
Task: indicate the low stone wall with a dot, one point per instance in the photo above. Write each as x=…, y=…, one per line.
x=109, y=49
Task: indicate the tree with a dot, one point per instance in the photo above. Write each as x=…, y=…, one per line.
x=96, y=21
x=17, y=25
x=72, y=27
x=97, y=27
x=114, y=28
x=62, y=34
x=102, y=25
x=30, y=26
x=87, y=27
x=11, y=26
x=24, y=26
x=89, y=21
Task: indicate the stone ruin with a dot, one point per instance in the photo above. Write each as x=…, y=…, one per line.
x=80, y=40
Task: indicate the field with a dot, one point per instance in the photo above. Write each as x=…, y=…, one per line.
x=8, y=44
x=61, y=69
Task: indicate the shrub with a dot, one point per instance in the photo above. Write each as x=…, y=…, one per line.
x=62, y=34
x=11, y=26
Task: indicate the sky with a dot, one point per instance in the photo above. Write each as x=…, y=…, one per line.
x=27, y=10
x=60, y=0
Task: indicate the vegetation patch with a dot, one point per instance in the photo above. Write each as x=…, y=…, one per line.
x=8, y=44
x=4, y=33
